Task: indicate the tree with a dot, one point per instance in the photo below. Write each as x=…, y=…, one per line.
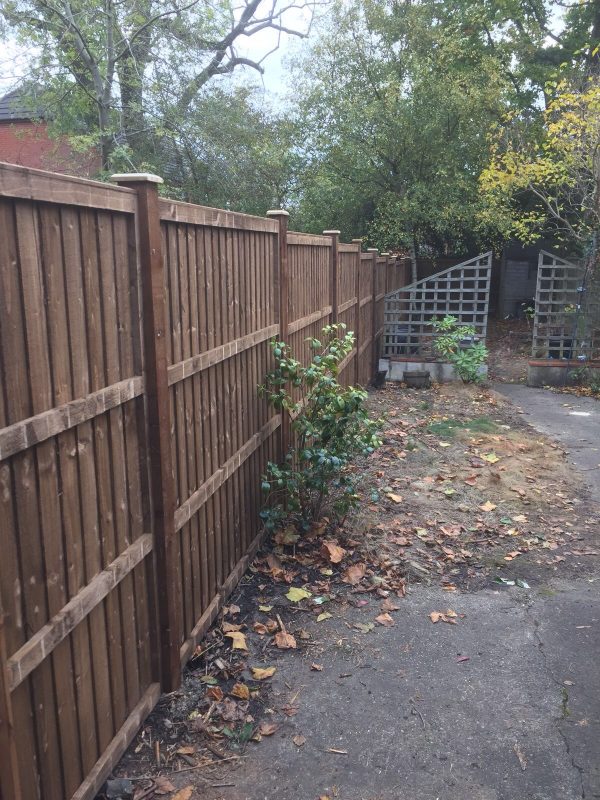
x=126, y=68
x=544, y=179
x=396, y=106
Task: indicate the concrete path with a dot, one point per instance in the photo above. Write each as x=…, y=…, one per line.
x=505, y=705
x=572, y=421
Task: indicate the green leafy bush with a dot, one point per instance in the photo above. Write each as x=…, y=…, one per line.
x=330, y=427
x=454, y=343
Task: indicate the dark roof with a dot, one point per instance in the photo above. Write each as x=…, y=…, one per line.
x=16, y=105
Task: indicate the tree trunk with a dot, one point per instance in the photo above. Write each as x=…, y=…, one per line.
x=413, y=261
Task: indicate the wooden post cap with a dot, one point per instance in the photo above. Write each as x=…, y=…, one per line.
x=331, y=233
x=136, y=177
x=372, y=250
x=278, y=212
x=385, y=254
x=356, y=240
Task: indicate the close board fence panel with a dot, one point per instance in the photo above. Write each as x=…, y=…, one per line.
x=134, y=332
x=74, y=533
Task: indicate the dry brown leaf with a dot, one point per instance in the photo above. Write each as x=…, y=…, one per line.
x=215, y=693
x=232, y=609
x=354, y=574
x=162, y=785
x=389, y=605
x=183, y=794
x=447, y=616
x=262, y=673
x=284, y=641
x=298, y=740
x=385, y=620
x=240, y=690
x=395, y=497
x=229, y=627
x=487, y=506
x=332, y=552
x=259, y=628
x=316, y=667
x=268, y=728
x=238, y=640
x=471, y=480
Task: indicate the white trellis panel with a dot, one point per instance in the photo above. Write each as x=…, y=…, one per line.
x=566, y=324
x=462, y=291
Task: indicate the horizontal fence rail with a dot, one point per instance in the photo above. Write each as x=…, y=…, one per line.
x=134, y=331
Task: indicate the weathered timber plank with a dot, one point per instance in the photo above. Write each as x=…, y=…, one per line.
x=190, y=366
x=304, y=322
x=35, y=184
x=36, y=429
x=42, y=643
x=176, y=211
x=108, y=760
x=218, y=478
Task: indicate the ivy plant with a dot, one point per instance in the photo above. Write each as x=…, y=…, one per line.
x=330, y=427
x=455, y=343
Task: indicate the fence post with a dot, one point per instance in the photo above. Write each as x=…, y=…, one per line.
x=162, y=488
x=374, y=253
x=283, y=300
x=333, y=273
x=357, y=332
x=10, y=783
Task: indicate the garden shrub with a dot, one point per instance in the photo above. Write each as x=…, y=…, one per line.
x=448, y=344
x=330, y=427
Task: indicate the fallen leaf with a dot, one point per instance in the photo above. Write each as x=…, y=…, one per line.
x=332, y=552
x=287, y=536
x=364, y=627
x=232, y=609
x=354, y=574
x=290, y=710
x=462, y=658
x=262, y=673
x=268, y=728
x=240, y=690
x=389, y=605
x=229, y=627
x=396, y=498
x=238, y=640
x=471, y=480
x=215, y=693
x=298, y=740
x=284, y=641
x=266, y=609
x=183, y=794
x=445, y=444
x=491, y=458
x=447, y=616
x=385, y=620
x=295, y=594
x=259, y=628
x=324, y=615
x=162, y=785
x=316, y=667
x=487, y=506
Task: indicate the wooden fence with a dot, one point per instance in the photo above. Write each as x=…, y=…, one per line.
x=133, y=333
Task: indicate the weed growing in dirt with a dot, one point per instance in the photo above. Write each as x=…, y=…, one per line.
x=330, y=428
x=448, y=427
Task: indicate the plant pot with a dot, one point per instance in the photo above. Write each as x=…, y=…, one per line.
x=416, y=380
x=379, y=381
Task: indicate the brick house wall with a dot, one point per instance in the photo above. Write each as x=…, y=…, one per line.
x=27, y=143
